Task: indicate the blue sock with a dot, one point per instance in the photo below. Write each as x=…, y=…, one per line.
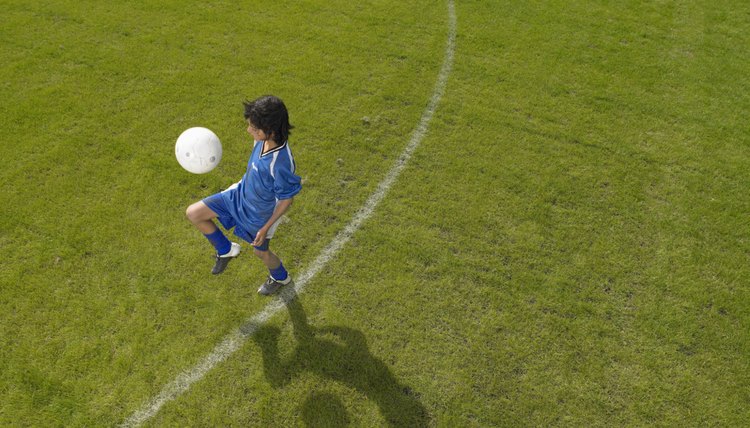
x=279, y=274
x=219, y=241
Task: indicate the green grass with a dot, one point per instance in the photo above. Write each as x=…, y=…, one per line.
x=568, y=246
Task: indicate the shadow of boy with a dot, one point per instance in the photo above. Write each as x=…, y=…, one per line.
x=341, y=354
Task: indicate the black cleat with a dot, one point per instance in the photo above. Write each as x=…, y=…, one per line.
x=223, y=260
x=271, y=285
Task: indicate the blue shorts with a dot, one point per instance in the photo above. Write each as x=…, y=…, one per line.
x=217, y=205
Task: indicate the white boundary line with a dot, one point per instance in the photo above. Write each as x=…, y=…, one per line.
x=234, y=340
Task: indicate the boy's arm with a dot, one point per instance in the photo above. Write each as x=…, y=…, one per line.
x=281, y=207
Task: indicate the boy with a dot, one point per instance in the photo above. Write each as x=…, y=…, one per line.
x=254, y=205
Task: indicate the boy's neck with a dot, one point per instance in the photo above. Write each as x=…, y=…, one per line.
x=269, y=145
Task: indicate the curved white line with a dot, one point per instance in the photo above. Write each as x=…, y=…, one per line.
x=234, y=340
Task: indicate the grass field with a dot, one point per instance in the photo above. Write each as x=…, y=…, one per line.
x=568, y=245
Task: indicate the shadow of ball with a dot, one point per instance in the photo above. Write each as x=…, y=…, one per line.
x=324, y=410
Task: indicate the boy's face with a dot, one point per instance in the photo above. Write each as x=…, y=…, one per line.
x=258, y=135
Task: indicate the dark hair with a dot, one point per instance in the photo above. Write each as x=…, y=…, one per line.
x=268, y=113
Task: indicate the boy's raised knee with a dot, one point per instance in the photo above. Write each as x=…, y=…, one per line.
x=193, y=212
x=190, y=213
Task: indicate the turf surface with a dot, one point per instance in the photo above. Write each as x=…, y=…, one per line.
x=568, y=246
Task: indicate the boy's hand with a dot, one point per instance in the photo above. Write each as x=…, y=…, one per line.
x=260, y=237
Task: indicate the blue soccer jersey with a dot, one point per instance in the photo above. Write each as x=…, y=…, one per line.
x=269, y=177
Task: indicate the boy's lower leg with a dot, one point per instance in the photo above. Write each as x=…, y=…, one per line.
x=274, y=265
x=206, y=227
x=278, y=275
x=271, y=260
x=202, y=218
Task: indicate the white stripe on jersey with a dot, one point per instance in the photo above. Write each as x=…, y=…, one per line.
x=291, y=158
x=273, y=163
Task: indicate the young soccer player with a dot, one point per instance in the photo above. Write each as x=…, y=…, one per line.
x=254, y=205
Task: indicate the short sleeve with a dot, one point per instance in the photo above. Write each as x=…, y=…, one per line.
x=286, y=183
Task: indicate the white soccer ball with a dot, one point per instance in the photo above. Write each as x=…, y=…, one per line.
x=198, y=150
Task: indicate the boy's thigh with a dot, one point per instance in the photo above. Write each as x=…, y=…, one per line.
x=200, y=211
